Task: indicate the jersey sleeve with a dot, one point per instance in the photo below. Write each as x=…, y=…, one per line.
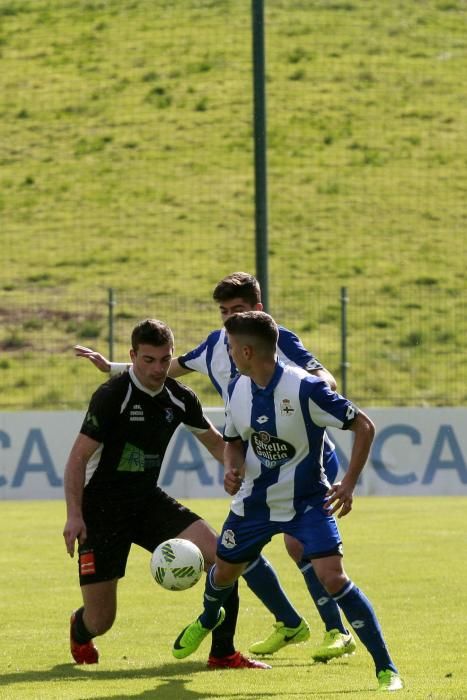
x=102, y=411
x=195, y=421
x=327, y=407
x=292, y=351
x=196, y=359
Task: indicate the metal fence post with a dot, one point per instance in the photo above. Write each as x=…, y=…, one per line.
x=111, y=305
x=344, y=363
x=259, y=119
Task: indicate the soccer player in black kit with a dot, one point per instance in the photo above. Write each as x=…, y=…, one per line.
x=112, y=496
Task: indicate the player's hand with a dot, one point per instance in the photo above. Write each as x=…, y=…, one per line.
x=96, y=358
x=339, y=499
x=232, y=481
x=75, y=529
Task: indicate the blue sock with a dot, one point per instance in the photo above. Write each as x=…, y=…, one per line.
x=262, y=580
x=328, y=609
x=359, y=612
x=214, y=597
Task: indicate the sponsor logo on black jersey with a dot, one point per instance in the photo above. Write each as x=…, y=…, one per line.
x=271, y=451
x=169, y=415
x=136, y=413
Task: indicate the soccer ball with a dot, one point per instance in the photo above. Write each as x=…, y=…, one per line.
x=177, y=564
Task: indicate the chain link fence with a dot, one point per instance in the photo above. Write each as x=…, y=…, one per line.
x=391, y=358
x=126, y=162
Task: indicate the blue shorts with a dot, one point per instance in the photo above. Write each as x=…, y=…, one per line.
x=242, y=539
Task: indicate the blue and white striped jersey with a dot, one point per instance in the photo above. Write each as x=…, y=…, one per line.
x=283, y=428
x=212, y=357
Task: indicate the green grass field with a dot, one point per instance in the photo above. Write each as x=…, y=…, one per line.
x=126, y=162
x=407, y=554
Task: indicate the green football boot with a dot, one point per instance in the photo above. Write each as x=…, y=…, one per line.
x=389, y=681
x=334, y=645
x=281, y=637
x=191, y=637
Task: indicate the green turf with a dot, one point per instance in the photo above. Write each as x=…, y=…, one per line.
x=407, y=554
x=126, y=162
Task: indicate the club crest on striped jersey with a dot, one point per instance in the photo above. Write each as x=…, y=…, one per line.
x=271, y=451
x=286, y=408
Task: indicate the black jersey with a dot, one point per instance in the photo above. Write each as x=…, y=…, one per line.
x=135, y=429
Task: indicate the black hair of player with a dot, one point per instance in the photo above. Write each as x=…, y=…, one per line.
x=151, y=332
x=238, y=285
x=254, y=324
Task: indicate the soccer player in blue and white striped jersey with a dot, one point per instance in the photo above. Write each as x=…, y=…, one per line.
x=235, y=293
x=276, y=417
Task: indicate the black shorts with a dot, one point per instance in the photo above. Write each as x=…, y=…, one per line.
x=114, y=523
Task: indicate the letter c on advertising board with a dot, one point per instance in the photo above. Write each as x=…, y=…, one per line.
x=377, y=459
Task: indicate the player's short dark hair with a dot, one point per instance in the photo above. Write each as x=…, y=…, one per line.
x=238, y=285
x=151, y=332
x=256, y=325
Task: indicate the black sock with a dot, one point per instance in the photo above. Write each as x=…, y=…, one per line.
x=79, y=631
x=223, y=636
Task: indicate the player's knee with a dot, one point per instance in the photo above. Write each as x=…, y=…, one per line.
x=333, y=581
x=226, y=574
x=204, y=537
x=208, y=550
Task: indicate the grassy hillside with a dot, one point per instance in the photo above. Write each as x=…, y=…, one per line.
x=126, y=162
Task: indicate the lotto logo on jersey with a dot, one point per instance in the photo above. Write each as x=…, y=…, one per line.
x=271, y=451
x=312, y=365
x=350, y=413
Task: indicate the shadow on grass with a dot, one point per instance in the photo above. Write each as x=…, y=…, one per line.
x=168, y=688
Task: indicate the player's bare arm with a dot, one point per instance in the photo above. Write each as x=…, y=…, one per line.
x=75, y=472
x=213, y=442
x=341, y=493
x=326, y=376
x=177, y=370
x=234, y=468
x=104, y=365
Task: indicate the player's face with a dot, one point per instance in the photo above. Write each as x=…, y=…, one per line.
x=236, y=306
x=151, y=364
x=237, y=353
